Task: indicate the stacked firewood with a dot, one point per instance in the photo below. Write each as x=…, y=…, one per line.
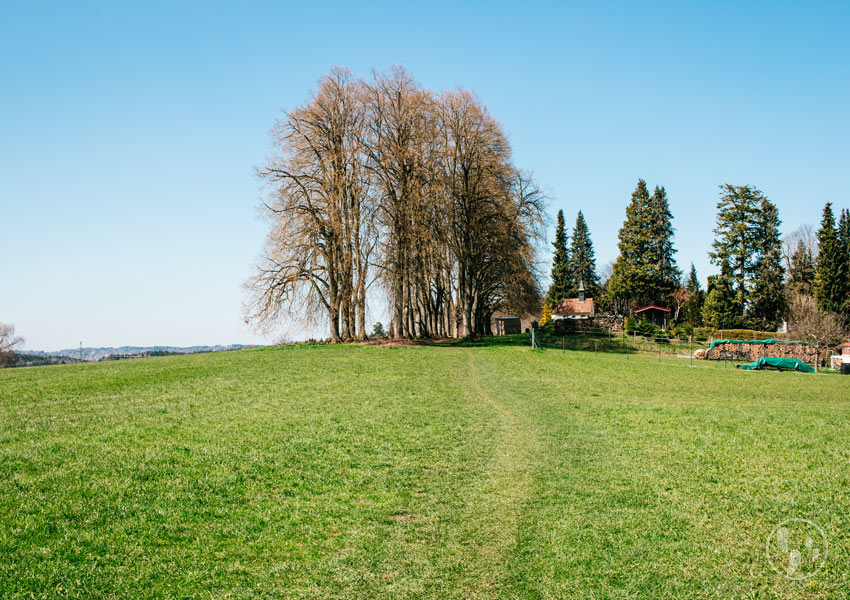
x=750, y=352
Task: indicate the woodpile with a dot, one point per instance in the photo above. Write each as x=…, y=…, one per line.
x=615, y=324
x=751, y=352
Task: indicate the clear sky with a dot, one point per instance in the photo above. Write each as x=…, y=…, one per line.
x=129, y=134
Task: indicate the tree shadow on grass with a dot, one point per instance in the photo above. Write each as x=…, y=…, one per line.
x=519, y=339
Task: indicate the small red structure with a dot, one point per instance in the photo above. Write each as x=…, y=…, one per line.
x=654, y=314
x=574, y=308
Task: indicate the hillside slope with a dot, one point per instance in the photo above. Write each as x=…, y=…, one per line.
x=432, y=472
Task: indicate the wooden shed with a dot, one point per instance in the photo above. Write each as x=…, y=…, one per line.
x=508, y=325
x=654, y=314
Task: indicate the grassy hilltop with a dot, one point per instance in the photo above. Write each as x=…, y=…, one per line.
x=431, y=472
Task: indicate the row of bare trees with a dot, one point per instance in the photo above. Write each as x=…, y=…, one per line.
x=384, y=181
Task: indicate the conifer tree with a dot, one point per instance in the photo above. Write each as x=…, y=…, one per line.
x=645, y=271
x=844, y=239
x=801, y=274
x=692, y=281
x=844, y=230
x=735, y=243
x=693, y=308
x=561, y=280
x=667, y=273
x=583, y=259
x=767, y=300
x=831, y=272
x=720, y=307
x=633, y=277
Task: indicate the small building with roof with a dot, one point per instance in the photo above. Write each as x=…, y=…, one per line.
x=654, y=314
x=575, y=308
x=507, y=324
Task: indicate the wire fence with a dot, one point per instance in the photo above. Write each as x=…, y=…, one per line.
x=627, y=345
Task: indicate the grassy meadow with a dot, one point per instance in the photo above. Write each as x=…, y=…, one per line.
x=464, y=471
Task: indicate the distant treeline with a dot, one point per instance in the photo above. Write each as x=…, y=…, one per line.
x=36, y=360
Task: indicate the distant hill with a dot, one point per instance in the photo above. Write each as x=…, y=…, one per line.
x=95, y=354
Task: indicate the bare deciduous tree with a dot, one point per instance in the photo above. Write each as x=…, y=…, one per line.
x=8, y=342
x=809, y=323
x=680, y=298
x=385, y=180
x=495, y=212
x=322, y=235
x=804, y=236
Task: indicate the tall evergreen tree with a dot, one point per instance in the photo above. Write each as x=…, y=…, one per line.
x=583, y=259
x=832, y=278
x=801, y=274
x=561, y=280
x=720, y=309
x=667, y=274
x=844, y=239
x=693, y=308
x=692, y=283
x=844, y=228
x=767, y=300
x=642, y=272
x=736, y=243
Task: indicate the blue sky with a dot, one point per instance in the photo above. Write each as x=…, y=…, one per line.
x=129, y=134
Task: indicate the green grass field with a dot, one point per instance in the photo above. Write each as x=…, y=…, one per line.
x=433, y=472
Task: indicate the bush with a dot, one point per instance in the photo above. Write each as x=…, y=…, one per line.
x=683, y=330
x=647, y=329
x=701, y=334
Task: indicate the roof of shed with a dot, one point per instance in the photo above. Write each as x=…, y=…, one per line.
x=652, y=306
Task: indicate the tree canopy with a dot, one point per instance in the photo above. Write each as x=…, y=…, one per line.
x=645, y=271
x=384, y=181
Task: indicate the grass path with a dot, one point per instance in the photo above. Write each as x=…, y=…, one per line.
x=501, y=496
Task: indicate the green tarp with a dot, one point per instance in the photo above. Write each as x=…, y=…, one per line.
x=767, y=341
x=791, y=364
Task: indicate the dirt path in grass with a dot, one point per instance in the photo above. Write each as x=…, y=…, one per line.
x=500, y=498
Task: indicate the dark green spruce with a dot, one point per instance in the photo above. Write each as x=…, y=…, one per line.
x=832, y=280
x=736, y=242
x=844, y=240
x=645, y=271
x=801, y=272
x=693, y=308
x=767, y=299
x=667, y=274
x=561, y=280
x=583, y=259
x=720, y=309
